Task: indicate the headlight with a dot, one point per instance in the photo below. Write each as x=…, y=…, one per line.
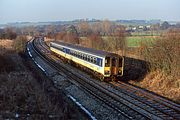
x=107, y=72
x=120, y=70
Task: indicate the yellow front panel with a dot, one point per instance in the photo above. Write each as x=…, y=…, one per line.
x=107, y=68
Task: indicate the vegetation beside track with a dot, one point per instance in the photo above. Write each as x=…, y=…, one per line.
x=164, y=71
x=26, y=94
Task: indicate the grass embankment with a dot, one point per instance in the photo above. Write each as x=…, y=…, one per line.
x=164, y=70
x=23, y=94
x=158, y=82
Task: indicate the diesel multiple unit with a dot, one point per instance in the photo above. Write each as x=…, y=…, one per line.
x=103, y=64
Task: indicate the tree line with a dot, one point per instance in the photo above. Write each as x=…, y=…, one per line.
x=104, y=35
x=8, y=33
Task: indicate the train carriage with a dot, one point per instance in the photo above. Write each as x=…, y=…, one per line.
x=103, y=63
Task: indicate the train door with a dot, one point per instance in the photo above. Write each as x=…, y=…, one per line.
x=107, y=67
x=114, y=66
x=121, y=65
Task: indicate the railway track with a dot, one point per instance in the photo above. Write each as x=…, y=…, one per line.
x=123, y=99
x=96, y=91
x=161, y=105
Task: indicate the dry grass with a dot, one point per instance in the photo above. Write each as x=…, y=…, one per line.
x=6, y=43
x=5, y=46
x=159, y=83
x=22, y=93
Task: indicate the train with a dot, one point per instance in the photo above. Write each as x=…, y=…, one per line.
x=102, y=64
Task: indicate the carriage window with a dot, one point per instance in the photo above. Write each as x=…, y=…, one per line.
x=70, y=52
x=60, y=48
x=81, y=55
x=92, y=59
x=107, y=62
x=100, y=63
x=89, y=58
x=85, y=57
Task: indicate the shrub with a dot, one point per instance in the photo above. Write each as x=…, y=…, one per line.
x=164, y=54
x=20, y=44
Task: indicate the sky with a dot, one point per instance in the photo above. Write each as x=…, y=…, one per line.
x=65, y=10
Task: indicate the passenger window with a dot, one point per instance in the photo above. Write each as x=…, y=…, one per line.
x=107, y=62
x=100, y=63
x=92, y=59
x=89, y=58
x=85, y=57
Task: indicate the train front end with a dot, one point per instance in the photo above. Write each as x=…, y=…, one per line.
x=113, y=66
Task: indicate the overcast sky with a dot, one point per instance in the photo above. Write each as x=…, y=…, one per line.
x=55, y=10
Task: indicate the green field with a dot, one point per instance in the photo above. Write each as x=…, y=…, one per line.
x=136, y=41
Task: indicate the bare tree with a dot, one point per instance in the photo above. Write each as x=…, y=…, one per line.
x=118, y=39
x=107, y=27
x=49, y=31
x=155, y=28
x=95, y=41
x=165, y=25
x=30, y=30
x=84, y=28
x=71, y=38
x=8, y=33
x=71, y=35
x=20, y=43
x=96, y=27
x=60, y=35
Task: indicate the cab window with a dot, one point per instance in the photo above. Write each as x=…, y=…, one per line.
x=120, y=62
x=113, y=62
x=107, y=62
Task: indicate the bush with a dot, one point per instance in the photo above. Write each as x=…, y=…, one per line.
x=20, y=44
x=6, y=64
x=164, y=54
x=8, y=33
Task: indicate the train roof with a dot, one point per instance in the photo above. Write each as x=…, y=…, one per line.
x=87, y=50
